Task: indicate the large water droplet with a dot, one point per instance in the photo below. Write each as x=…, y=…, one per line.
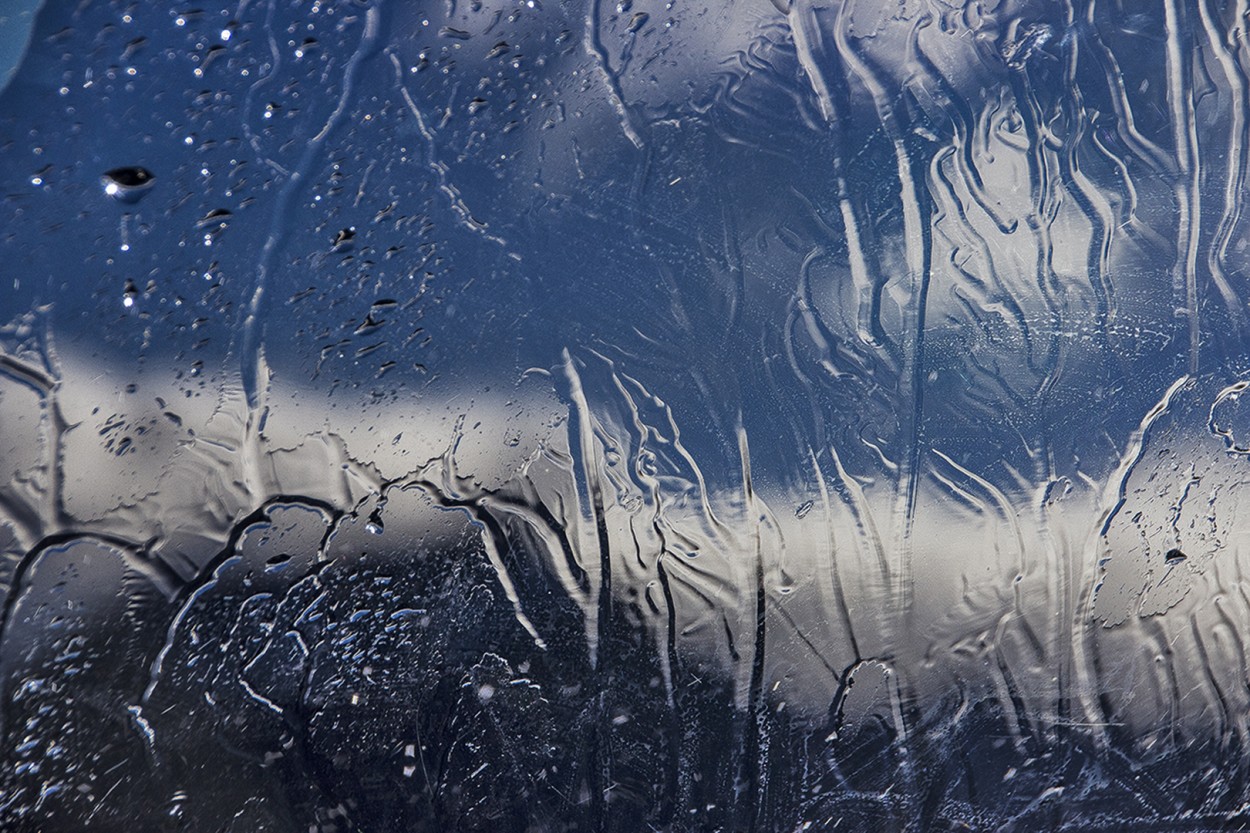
x=128, y=185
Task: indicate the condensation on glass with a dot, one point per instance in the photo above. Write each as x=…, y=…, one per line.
x=521, y=415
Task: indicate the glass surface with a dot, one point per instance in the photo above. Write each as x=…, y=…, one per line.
x=520, y=415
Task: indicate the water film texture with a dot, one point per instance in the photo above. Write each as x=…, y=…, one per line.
x=568, y=415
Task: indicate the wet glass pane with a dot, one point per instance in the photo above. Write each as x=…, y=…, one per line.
x=623, y=415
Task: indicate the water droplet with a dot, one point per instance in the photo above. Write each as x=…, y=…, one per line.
x=216, y=218
x=343, y=240
x=128, y=185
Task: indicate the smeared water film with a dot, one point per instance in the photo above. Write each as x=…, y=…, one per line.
x=651, y=415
